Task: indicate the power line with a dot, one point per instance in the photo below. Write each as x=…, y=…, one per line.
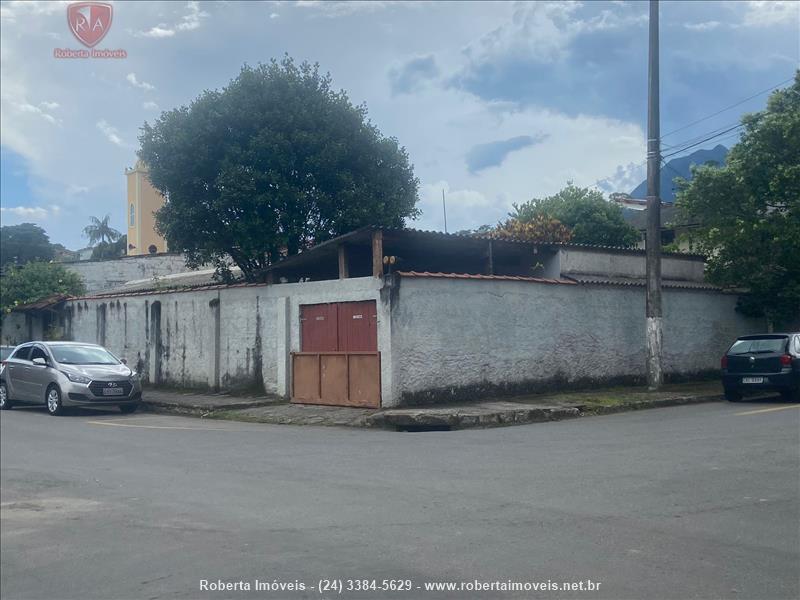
x=698, y=136
x=700, y=142
x=727, y=108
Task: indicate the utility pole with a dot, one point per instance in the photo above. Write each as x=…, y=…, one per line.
x=653, y=242
x=444, y=210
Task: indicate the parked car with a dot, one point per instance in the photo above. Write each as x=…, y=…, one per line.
x=767, y=362
x=61, y=374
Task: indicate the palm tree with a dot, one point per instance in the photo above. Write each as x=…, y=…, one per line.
x=98, y=230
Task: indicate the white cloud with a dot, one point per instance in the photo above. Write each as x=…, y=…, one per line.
x=31, y=213
x=274, y=15
x=159, y=31
x=188, y=22
x=704, y=26
x=149, y=105
x=111, y=133
x=766, y=13
x=343, y=8
x=139, y=84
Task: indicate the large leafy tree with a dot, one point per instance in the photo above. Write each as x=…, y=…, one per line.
x=749, y=211
x=100, y=232
x=587, y=214
x=273, y=163
x=35, y=281
x=23, y=243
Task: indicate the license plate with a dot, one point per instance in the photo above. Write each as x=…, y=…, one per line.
x=113, y=391
x=752, y=380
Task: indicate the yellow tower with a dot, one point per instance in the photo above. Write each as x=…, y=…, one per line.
x=143, y=201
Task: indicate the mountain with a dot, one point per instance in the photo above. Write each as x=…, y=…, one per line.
x=680, y=167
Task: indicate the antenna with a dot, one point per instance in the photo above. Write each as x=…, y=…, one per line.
x=444, y=209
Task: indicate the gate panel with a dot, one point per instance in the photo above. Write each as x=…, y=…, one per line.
x=358, y=326
x=305, y=378
x=365, y=380
x=319, y=328
x=333, y=379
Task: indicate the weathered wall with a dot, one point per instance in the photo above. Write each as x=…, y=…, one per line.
x=624, y=264
x=236, y=337
x=455, y=338
x=99, y=275
x=18, y=328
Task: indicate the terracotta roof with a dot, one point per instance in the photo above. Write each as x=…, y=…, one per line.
x=42, y=304
x=640, y=282
x=490, y=277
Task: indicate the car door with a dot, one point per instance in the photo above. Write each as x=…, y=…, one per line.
x=39, y=376
x=17, y=374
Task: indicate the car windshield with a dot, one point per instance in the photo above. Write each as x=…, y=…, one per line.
x=83, y=355
x=5, y=352
x=758, y=346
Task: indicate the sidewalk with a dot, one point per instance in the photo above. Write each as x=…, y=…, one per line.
x=486, y=413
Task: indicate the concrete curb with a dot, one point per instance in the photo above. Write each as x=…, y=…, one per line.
x=422, y=419
x=160, y=406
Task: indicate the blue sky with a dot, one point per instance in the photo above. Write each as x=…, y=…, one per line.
x=495, y=102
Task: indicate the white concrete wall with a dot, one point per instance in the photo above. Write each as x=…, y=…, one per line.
x=623, y=264
x=15, y=329
x=99, y=275
x=259, y=327
x=455, y=338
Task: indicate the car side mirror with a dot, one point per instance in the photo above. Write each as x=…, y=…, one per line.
x=124, y=361
x=40, y=362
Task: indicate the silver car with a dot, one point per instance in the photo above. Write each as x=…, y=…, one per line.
x=60, y=374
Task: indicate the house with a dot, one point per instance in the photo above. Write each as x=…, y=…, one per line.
x=389, y=317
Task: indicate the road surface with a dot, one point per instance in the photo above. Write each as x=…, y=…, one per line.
x=685, y=502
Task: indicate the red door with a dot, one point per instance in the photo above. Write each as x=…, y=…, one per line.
x=318, y=328
x=358, y=327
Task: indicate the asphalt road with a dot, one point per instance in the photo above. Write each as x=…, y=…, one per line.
x=686, y=502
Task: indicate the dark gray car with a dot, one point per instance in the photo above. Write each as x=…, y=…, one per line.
x=59, y=374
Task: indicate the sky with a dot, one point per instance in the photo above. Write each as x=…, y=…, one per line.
x=495, y=102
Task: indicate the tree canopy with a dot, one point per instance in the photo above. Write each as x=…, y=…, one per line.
x=540, y=228
x=590, y=218
x=748, y=212
x=271, y=164
x=100, y=232
x=35, y=281
x=23, y=243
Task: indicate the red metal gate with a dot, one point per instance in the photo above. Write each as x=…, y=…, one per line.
x=339, y=362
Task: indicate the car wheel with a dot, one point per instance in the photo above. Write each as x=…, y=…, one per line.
x=732, y=396
x=54, y=406
x=791, y=396
x=127, y=409
x=5, y=401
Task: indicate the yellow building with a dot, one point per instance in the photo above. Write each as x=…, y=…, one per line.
x=143, y=201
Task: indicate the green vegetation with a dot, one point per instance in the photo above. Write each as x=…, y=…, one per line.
x=21, y=244
x=590, y=218
x=34, y=281
x=749, y=211
x=273, y=163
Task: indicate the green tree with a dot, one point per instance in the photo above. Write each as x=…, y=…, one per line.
x=99, y=231
x=749, y=210
x=271, y=164
x=588, y=215
x=109, y=250
x=20, y=244
x=540, y=228
x=35, y=281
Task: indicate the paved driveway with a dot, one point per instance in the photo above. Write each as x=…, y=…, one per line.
x=686, y=502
